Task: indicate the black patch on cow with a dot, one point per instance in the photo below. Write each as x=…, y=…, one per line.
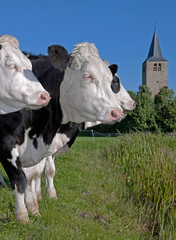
x=12, y=133
x=0, y=46
x=40, y=64
x=115, y=84
x=15, y=175
x=113, y=68
x=71, y=130
x=35, y=143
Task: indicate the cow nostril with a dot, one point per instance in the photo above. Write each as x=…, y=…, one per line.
x=114, y=114
x=134, y=105
x=45, y=97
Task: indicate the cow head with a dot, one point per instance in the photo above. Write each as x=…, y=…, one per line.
x=121, y=95
x=86, y=93
x=19, y=88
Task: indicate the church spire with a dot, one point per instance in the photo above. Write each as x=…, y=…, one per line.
x=155, y=50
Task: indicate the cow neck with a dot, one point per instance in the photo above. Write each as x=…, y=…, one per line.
x=46, y=121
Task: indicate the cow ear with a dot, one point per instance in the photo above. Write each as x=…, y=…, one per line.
x=113, y=68
x=58, y=56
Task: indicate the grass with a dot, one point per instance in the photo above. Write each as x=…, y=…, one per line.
x=114, y=188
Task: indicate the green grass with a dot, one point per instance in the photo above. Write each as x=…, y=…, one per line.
x=115, y=188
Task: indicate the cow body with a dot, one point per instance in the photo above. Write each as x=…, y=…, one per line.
x=27, y=135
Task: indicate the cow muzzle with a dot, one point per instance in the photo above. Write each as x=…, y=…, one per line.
x=39, y=99
x=44, y=98
x=117, y=115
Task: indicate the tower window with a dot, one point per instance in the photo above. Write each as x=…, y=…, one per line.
x=159, y=67
x=155, y=67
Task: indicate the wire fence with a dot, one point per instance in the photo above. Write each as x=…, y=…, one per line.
x=92, y=133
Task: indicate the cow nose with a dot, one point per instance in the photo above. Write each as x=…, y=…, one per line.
x=133, y=105
x=44, y=98
x=116, y=114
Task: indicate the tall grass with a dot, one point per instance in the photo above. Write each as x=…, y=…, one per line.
x=146, y=164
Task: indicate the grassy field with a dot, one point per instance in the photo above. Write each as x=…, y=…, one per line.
x=112, y=189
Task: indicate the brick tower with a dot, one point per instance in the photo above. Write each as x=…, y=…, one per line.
x=155, y=68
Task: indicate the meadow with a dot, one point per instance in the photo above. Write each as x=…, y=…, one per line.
x=120, y=188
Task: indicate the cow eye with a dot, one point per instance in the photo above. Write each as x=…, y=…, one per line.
x=88, y=76
x=13, y=66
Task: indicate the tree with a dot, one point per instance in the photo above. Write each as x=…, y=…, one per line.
x=165, y=104
x=142, y=118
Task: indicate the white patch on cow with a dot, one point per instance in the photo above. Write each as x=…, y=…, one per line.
x=32, y=174
x=15, y=155
x=19, y=87
x=29, y=155
x=20, y=207
x=49, y=177
x=58, y=142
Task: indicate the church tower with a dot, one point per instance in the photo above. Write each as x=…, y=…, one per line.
x=155, y=68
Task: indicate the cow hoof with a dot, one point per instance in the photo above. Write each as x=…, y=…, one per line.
x=23, y=218
x=36, y=213
x=52, y=194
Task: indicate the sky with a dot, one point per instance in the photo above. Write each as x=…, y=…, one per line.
x=122, y=30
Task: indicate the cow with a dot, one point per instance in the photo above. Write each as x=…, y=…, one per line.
x=19, y=87
x=62, y=142
x=80, y=88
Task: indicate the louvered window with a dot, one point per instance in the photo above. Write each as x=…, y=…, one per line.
x=155, y=67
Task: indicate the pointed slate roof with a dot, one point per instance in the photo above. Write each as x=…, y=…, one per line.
x=155, y=50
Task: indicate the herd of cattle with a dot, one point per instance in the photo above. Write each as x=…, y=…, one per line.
x=45, y=101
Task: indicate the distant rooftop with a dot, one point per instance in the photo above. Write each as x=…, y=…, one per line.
x=155, y=50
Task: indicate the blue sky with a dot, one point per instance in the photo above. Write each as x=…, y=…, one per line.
x=122, y=30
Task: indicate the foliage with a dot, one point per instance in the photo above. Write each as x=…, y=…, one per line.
x=146, y=164
x=153, y=115
x=165, y=104
x=144, y=114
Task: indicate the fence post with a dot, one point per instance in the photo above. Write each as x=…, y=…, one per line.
x=93, y=135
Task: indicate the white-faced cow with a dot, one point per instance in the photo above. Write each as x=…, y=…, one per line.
x=62, y=141
x=80, y=88
x=19, y=87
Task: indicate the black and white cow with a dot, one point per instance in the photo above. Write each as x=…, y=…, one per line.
x=62, y=141
x=19, y=88
x=80, y=88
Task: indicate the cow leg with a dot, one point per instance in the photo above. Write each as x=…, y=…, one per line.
x=49, y=177
x=40, y=166
x=12, y=166
x=30, y=193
